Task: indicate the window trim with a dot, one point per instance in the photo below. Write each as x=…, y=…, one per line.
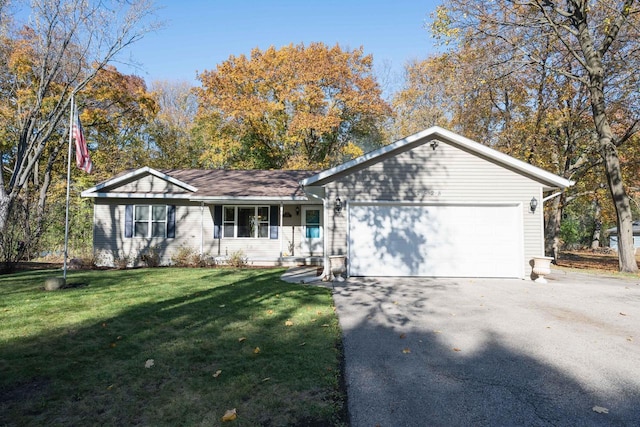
x=168, y=221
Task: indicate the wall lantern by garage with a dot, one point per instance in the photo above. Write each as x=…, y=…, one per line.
x=337, y=207
x=533, y=204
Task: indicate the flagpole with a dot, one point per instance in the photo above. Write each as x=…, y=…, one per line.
x=66, y=215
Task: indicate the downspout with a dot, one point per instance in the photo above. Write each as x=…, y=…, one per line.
x=325, y=244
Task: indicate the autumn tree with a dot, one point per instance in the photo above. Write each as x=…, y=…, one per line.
x=601, y=40
x=294, y=107
x=175, y=141
x=54, y=55
x=116, y=112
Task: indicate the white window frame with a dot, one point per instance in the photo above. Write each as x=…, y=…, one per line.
x=256, y=228
x=149, y=221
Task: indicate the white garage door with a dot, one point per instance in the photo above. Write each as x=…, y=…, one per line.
x=437, y=241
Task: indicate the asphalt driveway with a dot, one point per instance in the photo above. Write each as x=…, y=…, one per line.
x=430, y=352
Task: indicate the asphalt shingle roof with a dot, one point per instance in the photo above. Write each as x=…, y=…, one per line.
x=242, y=183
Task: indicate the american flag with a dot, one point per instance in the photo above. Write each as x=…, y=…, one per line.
x=83, y=161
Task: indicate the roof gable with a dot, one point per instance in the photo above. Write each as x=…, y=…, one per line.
x=436, y=135
x=140, y=181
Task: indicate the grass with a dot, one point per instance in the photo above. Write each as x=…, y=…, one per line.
x=218, y=338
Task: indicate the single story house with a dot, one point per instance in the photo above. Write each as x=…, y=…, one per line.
x=434, y=204
x=613, y=236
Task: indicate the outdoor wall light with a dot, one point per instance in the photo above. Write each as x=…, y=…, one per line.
x=337, y=207
x=297, y=210
x=434, y=144
x=533, y=204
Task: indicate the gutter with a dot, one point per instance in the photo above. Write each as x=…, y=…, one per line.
x=554, y=195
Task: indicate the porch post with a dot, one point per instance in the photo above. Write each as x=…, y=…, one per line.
x=201, y=228
x=281, y=230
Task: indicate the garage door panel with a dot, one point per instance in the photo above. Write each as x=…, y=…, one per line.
x=454, y=241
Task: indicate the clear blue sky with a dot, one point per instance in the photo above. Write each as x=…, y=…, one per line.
x=199, y=34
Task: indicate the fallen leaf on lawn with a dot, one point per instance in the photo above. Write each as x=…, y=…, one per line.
x=217, y=373
x=104, y=325
x=437, y=332
x=314, y=320
x=406, y=350
x=256, y=350
x=110, y=387
x=303, y=344
x=600, y=410
x=230, y=415
x=288, y=323
x=112, y=345
x=221, y=306
x=269, y=311
x=318, y=313
x=326, y=325
x=266, y=379
x=149, y=363
x=456, y=349
x=403, y=335
x=623, y=314
x=241, y=339
x=119, y=337
x=629, y=338
x=395, y=302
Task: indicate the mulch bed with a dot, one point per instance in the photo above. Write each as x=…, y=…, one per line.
x=588, y=259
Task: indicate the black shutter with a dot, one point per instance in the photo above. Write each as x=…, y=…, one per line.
x=128, y=221
x=171, y=221
x=217, y=222
x=274, y=221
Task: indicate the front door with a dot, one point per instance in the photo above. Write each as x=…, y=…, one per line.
x=311, y=243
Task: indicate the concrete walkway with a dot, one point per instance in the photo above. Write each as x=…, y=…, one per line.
x=304, y=274
x=460, y=352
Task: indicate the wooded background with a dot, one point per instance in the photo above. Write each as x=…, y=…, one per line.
x=553, y=83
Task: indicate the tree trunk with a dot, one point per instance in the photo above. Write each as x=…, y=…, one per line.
x=595, y=238
x=626, y=253
x=613, y=172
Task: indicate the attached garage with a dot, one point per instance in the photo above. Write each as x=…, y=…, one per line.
x=435, y=240
x=435, y=204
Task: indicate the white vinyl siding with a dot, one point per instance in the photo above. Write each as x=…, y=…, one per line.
x=149, y=184
x=194, y=228
x=447, y=174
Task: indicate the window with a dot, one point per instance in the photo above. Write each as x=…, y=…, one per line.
x=246, y=222
x=147, y=221
x=312, y=222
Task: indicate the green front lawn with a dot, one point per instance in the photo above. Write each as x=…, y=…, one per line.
x=168, y=347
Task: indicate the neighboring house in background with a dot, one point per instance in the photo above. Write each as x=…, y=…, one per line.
x=613, y=236
x=433, y=204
